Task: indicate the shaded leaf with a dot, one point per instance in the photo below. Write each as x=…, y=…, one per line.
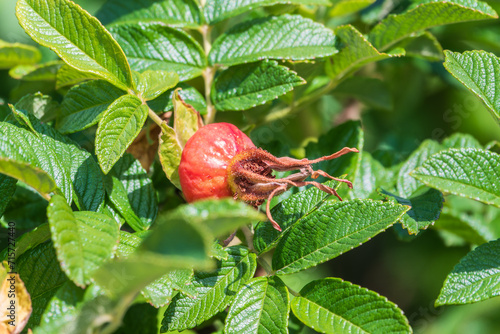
x=84, y=105
x=68, y=30
x=215, y=290
x=371, y=91
x=423, y=45
x=118, y=127
x=333, y=229
x=331, y=305
x=83, y=240
x=7, y=189
x=13, y=54
x=69, y=76
x=245, y=86
x=475, y=278
x=39, y=105
x=262, y=305
x=281, y=37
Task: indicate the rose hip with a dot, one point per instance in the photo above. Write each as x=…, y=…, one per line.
x=221, y=161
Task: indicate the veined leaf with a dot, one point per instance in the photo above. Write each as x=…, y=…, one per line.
x=262, y=305
x=69, y=76
x=355, y=51
x=169, y=153
x=407, y=185
x=333, y=229
x=346, y=7
x=154, y=83
x=32, y=176
x=83, y=240
x=288, y=212
x=331, y=305
x=479, y=72
x=461, y=140
x=183, y=13
x=282, y=37
x=13, y=54
x=427, y=14
x=29, y=240
x=188, y=94
x=153, y=46
x=84, y=105
x=215, y=290
x=63, y=305
x=70, y=32
x=425, y=209
x=7, y=189
x=132, y=193
x=218, y=10
x=475, y=278
x=39, y=105
x=220, y=216
x=471, y=173
x=42, y=277
x=245, y=86
x=118, y=127
x=186, y=120
x=423, y=45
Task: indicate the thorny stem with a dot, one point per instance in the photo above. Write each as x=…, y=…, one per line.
x=208, y=73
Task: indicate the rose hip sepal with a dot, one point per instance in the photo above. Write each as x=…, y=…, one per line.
x=221, y=161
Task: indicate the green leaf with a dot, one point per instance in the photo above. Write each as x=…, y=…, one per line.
x=262, y=305
x=289, y=211
x=479, y=72
x=39, y=105
x=371, y=91
x=183, y=13
x=117, y=129
x=13, y=54
x=27, y=208
x=475, y=278
x=471, y=173
x=7, y=189
x=245, y=86
x=331, y=305
x=83, y=240
x=186, y=120
x=132, y=193
x=162, y=290
x=461, y=140
x=39, y=72
x=169, y=153
x=354, y=51
x=370, y=174
x=154, y=46
x=188, y=94
x=42, y=277
x=174, y=244
x=140, y=318
x=154, y=83
x=424, y=45
x=281, y=37
x=333, y=229
x=69, y=76
x=218, y=10
x=429, y=13
x=425, y=207
x=69, y=31
x=32, y=176
x=216, y=289
x=220, y=216
x=407, y=185
x=29, y=240
x=346, y=7
x=84, y=105
x=63, y=304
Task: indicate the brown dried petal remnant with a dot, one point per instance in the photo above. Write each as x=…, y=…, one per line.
x=251, y=180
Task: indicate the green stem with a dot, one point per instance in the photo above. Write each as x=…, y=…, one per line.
x=208, y=74
x=155, y=117
x=248, y=236
x=118, y=314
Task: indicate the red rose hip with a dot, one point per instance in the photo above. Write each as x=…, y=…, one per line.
x=221, y=161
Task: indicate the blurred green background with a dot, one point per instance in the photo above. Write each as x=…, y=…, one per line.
x=426, y=103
